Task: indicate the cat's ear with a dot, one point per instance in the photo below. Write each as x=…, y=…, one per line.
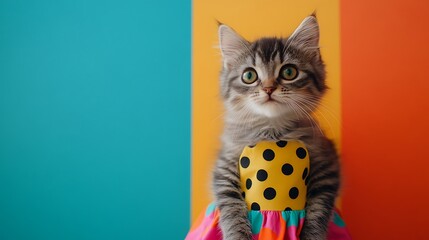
x=306, y=36
x=231, y=44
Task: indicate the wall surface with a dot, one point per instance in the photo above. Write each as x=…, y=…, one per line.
x=385, y=73
x=94, y=119
x=95, y=112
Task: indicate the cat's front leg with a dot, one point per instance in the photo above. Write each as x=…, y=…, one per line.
x=323, y=185
x=233, y=211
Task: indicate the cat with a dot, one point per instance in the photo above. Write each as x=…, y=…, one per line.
x=269, y=89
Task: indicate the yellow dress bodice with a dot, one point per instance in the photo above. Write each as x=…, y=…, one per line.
x=274, y=175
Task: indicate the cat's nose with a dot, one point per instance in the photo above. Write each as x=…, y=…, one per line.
x=269, y=90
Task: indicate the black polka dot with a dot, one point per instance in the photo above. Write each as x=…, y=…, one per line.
x=248, y=183
x=255, y=206
x=293, y=193
x=281, y=143
x=268, y=154
x=288, y=209
x=301, y=153
x=243, y=194
x=269, y=193
x=251, y=146
x=287, y=169
x=305, y=173
x=262, y=175
x=245, y=162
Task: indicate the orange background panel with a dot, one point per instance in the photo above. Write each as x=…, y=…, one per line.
x=385, y=103
x=252, y=19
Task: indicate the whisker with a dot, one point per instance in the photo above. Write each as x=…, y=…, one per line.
x=311, y=110
x=308, y=116
x=316, y=102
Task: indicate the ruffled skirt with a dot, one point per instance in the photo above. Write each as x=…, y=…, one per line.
x=266, y=225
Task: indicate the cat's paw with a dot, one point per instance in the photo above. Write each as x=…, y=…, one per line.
x=239, y=236
x=305, y=236
x=242, y=237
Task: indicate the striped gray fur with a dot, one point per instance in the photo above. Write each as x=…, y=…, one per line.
x=250, y=118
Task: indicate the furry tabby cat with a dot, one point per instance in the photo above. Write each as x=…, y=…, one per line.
x=270, y=87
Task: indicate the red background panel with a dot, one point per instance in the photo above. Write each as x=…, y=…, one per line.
x=385, y=113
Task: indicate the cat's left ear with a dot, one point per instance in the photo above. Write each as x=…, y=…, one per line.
x=231, y=44
x=306, y=36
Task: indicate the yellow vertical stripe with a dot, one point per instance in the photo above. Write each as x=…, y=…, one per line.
x=252, y=19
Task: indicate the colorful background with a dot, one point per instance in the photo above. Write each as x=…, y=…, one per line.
x=94, y=119
x=110, y=113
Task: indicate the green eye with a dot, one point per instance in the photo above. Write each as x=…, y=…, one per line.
x=249, y=76
x=288, y=72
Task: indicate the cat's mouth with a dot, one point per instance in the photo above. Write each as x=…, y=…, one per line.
x=270, y=99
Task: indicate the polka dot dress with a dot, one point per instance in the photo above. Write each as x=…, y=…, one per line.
x=274, y=178
x=274, y=175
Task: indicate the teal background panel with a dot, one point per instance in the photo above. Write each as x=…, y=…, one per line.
x=94, y=119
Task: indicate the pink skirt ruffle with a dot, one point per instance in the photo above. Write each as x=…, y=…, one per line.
x=266, y=225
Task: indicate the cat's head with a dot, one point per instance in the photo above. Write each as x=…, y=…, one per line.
x=273, y=77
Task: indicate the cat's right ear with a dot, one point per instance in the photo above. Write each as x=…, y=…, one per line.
x=231, y=44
